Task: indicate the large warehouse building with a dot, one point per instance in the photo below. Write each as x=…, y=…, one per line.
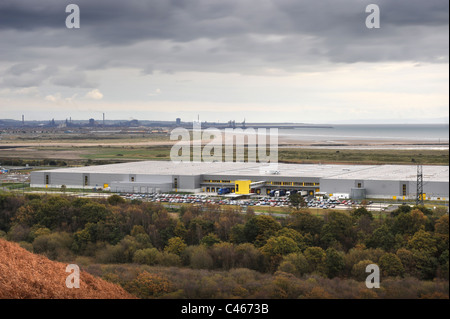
x=359, y=181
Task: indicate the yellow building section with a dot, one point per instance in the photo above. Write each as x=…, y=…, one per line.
x=242, y=187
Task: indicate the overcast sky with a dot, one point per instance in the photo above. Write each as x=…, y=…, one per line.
x=262, y=60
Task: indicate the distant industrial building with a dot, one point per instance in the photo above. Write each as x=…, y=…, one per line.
x=359, y=181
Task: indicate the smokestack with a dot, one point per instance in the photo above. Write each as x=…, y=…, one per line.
x=23, y=120
x=103, y=119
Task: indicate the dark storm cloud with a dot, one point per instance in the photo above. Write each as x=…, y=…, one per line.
x=222, y=36
x=186, y=20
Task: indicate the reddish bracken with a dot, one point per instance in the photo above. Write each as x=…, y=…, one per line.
x=24, y=275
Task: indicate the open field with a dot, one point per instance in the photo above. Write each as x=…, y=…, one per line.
x=77, y=155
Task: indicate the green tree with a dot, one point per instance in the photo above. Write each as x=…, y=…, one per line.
x=147, y=256
x=237, y=234
x=55, y=246
x=197, y=229
x=334, y=262
x=248, y=256
x=401, y=209
x=210, y=239
x=382, y=237
x=180, y=230
x=305, y=222
x=115, y=200
x=408, y=261
x=442, y=225
x=361, y=211
x=176, y=246
x=198, y=257
x=296, y=200
x=409, y=223
x=359, y=269
x=80, y=240
x=302, y=241
x=277, y=247
x=391, y=265
x=37, y=231
x=295, y=263
x=423, y=247
x=148, y=285
x=50, y=212
x=423, y=241
x=223, y=255
x=259, y=228
x=339, y=227
x=316, y=258
x=442, y=232
x=443, y=270
x=167, y=259
x=93, y=212
x=18, y=232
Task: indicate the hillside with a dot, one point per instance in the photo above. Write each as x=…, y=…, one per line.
x=24, y=275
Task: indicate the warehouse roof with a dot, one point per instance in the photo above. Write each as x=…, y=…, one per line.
x=233, y=169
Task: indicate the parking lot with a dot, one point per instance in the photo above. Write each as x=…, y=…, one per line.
x=256, y=201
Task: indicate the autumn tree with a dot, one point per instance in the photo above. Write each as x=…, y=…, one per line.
x=338, y=227
x=276, y=248
x=409, y=223
x=259, y=228
x=408, y=260
x=210, y=239
x=175, y=246
x=302, y=241
x=316, y=258
x=198, y=228
x=115, y=200
x=146, y=256
x=198, y=257
x=248, y=256
x=305, y=222
x=334, y=262
x=361, y=211
x=223, y=255
x=295, y=263
x=391, y=265
x=148, y=285
x=359, y=269
x=382, y=237
x=93, y=212
x=423, y=247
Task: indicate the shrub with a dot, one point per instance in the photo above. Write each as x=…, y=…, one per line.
x=147, y=256
x=198, y=257
x=147, y=285
x=391, y=265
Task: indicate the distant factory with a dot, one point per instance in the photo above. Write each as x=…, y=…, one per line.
x=358, y=181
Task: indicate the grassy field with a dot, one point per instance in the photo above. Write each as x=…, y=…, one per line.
x=288, y=155
x=129, y=153
x=434, y=157
x=79, y=154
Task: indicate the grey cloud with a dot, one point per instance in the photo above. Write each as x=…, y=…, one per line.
x=27, y=75
x=21, y=68
x=218, y=36
x=73, y=79
x=33, y=74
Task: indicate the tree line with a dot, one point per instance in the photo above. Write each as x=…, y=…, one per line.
x=409, y=242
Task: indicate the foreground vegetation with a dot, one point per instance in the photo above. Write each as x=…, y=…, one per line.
x=217, y=252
